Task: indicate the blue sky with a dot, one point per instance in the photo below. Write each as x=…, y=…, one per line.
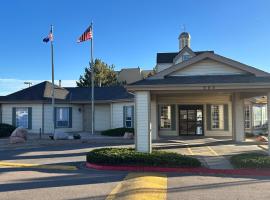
x=127, y=33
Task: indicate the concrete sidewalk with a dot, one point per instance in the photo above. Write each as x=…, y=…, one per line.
x=34, y=141
x=214, y=153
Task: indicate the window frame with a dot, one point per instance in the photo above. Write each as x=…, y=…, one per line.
x=169, y=116
x=126, y=116
x=56, y=116
x=220, y=117
x=16, y=118
x=257, y=116
x=259, y=113
x=247, y=117
x=185, y=57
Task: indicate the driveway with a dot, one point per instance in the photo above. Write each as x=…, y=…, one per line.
x=212, y=152
x=80, y=183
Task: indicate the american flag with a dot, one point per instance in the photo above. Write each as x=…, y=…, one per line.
x=87, y=35
x=49, y=37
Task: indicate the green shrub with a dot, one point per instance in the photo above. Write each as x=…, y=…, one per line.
x=249, y=135
x=6, y=130
x=125, y=156
x=117, y=131
x=251, y=160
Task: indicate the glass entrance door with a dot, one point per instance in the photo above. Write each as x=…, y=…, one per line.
x=190, y=120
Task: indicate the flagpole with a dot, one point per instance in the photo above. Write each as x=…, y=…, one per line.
x=52, y=60
x=92, y=84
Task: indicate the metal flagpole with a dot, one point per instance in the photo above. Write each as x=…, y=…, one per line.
x=53, y=116
x=92, y=84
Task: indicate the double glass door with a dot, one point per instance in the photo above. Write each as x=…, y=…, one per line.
x=190, y=120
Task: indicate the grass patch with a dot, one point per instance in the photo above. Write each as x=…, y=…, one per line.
x=117, y=131
x=251, y=160
x=128, y=156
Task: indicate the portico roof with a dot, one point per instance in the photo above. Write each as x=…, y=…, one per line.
x=209, y=79
x=203, y=82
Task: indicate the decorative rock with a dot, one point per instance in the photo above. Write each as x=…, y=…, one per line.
x=14, y=140
x=60, y=136
x=128, y=135
x=19, y=135
x=262, y=138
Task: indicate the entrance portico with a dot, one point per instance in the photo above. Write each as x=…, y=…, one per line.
x=191, y=113
x=195, y=93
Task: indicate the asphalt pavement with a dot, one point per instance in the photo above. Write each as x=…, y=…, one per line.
x=69, y=179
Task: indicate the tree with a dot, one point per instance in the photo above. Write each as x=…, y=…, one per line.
x=104, y=75
x=151, y=73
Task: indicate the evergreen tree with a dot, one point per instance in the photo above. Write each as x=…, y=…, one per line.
x=104, y=75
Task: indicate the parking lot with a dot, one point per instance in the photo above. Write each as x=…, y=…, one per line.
x=58, y=172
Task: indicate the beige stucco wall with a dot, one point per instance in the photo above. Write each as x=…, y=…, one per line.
x=198, y=100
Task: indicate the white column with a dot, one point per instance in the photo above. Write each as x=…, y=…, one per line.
x=268, y=120
x=143, y=141
x=238, y=117
x=154, y=115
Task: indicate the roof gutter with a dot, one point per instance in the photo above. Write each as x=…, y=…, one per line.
x=209, y=86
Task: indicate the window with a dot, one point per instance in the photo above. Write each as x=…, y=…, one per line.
x=22, y=117
x=165, y=117
x=185, y=57
x=264, y=114
x=62, y=117
x=259, y=115
x=217, y=118
x=247, y=116
x=128, y=116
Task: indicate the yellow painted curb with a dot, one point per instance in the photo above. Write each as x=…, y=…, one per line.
x=190, y=151
x=141, y=186
x=212, y=151
x=26, y=165
x=262, y=147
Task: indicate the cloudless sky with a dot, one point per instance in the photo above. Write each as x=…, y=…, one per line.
x=127, y=33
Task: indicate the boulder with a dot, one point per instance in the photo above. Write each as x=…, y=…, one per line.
x=128, y=135
x=19, y=135
x=60, y=136
x=14, y=140
x=261, y=138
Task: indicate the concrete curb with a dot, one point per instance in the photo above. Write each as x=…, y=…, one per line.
x=197, y=170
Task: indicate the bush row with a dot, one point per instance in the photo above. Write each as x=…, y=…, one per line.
x=117, y=131
x=251, y=160
x=6, y=130
x=125, y=156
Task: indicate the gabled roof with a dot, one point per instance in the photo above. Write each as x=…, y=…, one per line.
x=101, y=93
x=200, y=80
x=168, y=57
x=213, y=56
x=43, y=91
x=185, y=49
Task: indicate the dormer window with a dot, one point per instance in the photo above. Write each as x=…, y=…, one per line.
x=185, y=57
